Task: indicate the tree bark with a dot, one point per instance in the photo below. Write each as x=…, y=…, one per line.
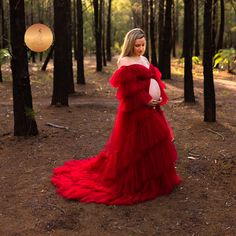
x=98, y=35
x=1, y=34
x=1, y=80
x=165, y=67
x=71, y=88
x=61, y=71
x=39, y=12
x=177, y=22
x=197, y=50
x=209, y=90
x=3, y=42
x=74, y=30
x=80, y=43
x=136, y=15
x=24, y=121
x=145, y=24
x=108, y=39
x=32, y=53
x=2, y=22
x=214, y=26
x=222, y=25
x=102, y=26
x=49, y=56
x=51, y=17
x=188, y=44
x=161, y=32
x=174, y=29
x=152, y=35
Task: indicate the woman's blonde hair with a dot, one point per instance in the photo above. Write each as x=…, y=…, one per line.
x=128, y=45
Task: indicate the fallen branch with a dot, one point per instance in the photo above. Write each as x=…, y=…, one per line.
x=57, y=126
x=176, y=98
x=214, y=132
x=193, y=154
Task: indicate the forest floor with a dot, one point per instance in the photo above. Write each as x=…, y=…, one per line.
x=204, y=203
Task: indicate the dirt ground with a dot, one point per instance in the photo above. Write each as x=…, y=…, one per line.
x=204, y=204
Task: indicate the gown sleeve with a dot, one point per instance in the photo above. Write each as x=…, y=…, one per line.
x=132, y=89
x=135, y=100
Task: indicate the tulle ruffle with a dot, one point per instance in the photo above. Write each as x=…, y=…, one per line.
x=131, y=168
x=138, y=161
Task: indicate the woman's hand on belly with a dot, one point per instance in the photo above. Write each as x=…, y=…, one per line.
x=154, y=102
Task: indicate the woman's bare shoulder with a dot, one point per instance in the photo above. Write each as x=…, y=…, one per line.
x=144, y=59
x=124, y=61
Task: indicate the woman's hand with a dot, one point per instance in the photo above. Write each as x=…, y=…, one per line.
x=153, y=103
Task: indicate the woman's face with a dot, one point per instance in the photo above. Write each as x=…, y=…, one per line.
x=139, y=46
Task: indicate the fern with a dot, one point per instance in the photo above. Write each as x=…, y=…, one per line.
x=195, y=60
x=225, y=57
x=4, y=54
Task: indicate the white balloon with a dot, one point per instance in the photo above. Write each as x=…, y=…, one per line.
x=154, y=89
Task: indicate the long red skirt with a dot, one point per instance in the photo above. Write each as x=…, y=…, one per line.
x=136, y=164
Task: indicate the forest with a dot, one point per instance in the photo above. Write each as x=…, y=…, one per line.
x=58, y=105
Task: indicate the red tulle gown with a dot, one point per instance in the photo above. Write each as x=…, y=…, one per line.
x=138, y=161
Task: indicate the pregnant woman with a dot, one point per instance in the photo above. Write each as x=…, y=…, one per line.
x=138, y=161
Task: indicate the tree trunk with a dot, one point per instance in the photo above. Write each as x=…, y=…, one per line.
x=1, y=80
x=51, y=17
x=145, y=23
x=108, y=41
x=61, y=71
x=2, y=23
x=188, y=44
x=1, y=34
x=3, y=42
x=102, y=26
x=177, y=23
x=197, y=50
x=32, y=53
x=136, y=15
x=152, y=36
x=24, y=121
x=98, y=35
x=160, y=32
x=222, y=25
x=49, y=56
x=80, y=43
x=166, y=66
x=214, y=26
x=40, y=56
x=174, y=29
x=69, y=52
x=209, y=90
x=39, y=12
x=74, y=30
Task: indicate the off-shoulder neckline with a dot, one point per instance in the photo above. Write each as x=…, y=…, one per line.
x=137, y=64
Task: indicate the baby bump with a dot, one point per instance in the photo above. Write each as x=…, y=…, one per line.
x=154, y=89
